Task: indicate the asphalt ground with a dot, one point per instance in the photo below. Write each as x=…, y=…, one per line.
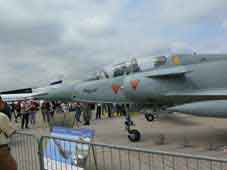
x=172, y=133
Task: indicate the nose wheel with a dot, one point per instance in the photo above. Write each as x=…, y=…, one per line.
x=133, y=134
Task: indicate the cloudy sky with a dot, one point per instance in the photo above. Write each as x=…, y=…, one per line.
x=44, y=40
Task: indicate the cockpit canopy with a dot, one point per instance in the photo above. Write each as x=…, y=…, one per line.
x=125, y=68
x=129, y=67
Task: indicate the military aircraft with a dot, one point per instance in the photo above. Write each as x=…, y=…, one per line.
x=189, y=83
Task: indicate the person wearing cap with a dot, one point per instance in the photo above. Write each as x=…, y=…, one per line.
x=7, y=162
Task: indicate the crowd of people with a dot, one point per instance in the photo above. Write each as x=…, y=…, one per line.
x=102, y=109
x=26, y=111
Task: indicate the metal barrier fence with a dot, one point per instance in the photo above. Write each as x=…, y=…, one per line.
x=33, y=155
x=24, y=148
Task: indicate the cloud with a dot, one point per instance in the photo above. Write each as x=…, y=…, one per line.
x=47, y=39
x=191, y=11
x=225, y=26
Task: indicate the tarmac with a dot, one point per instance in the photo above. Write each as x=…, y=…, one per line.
x=173, y=133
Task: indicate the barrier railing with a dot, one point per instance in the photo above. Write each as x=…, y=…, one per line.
x=24, y=148
x=35, y=155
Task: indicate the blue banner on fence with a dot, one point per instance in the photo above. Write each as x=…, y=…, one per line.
x=64, y=154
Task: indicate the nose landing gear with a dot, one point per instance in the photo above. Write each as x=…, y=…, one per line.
x=133, y=134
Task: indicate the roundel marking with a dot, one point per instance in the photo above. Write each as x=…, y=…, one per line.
x=134, y=84
x=176, y=60
x=115, y=88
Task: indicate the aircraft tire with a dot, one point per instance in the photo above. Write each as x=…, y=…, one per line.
x=134, y=135
x=149, y=117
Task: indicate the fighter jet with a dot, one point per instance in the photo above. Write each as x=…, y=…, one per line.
x=189, y=83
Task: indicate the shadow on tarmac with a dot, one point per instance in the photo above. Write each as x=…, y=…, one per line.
x=175, y=119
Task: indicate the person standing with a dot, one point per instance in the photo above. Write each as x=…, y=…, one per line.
x=13, y=110
x=52, y=108
x=7, y=162
x=78, y=112
x=4, y=108
x=25, y=110
x=17, y=111
x=33, y=110
x=87, y=114
x=64, y=107
x=123, y=109
x=118, y=110
x=98, y=111
x=45, y=109
x=109, y=109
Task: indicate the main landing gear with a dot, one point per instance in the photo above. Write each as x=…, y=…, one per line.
x=149, y=117
x=151, y=114
x=133, y=134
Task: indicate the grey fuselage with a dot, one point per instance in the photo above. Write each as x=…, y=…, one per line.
x=159, y=85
